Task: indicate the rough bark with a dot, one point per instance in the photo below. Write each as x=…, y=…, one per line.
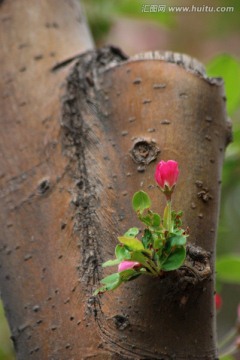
x=66, y=192
x=38, y=255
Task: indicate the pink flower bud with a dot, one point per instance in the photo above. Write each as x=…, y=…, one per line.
x=126, y=265
x=166, y=175
x=218, y=301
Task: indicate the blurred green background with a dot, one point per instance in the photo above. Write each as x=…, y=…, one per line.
x=214, y=39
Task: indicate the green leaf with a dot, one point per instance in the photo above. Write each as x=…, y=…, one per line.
x=141, y=201
x=159, y=255
x=177, y=240
x=178, y=232
x=147, y=238
x=174, y=260
x=132, y=243
x=176, y=218
x=132, y=232
x=151, y=219
x=129, y=274
x=102, y=289
x=228, y=68
x=110, y=282
x=166, y=251
x=158, y=245
x=228, y=269
x=156, y=220
x=147, y=219
x=122, y=253
x=111, y=262
x=110, y=279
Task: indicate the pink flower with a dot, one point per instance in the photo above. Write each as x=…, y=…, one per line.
x=166, y=175
x=218, y=301
x=126, y=265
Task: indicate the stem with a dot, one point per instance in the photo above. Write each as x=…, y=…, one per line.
x=148, y=274
x=229, y=336
x=152, y=268
x=167, y=217
x=169, y=220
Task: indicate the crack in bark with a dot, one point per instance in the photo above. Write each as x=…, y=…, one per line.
x=62, y=64
x=79, y=103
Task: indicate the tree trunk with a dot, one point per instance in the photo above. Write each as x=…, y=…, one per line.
x=66, y=191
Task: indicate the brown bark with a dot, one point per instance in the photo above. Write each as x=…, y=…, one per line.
x=38, y=253
x=65, y=202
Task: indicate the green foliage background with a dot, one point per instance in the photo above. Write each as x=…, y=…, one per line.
x=221, y=29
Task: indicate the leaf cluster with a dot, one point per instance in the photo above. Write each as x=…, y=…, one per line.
x=160, y=247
